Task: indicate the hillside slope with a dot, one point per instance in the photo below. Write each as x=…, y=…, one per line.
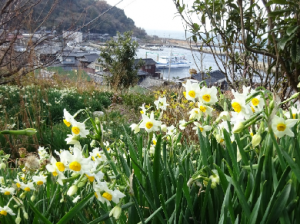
x=75, y=13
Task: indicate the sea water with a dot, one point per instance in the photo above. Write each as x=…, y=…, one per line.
x=194, y=57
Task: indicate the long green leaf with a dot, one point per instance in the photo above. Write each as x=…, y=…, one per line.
x=295, y=167
x=38, y=214
x=73, y=212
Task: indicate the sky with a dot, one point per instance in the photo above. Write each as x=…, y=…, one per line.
x=151, y=14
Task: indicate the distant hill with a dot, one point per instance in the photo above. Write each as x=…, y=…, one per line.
x=75, y=13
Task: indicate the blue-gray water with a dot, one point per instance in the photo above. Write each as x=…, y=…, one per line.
x=191, y=56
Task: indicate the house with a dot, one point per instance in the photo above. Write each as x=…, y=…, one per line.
x=213, y=78
x=149, y=66
x=87, y=59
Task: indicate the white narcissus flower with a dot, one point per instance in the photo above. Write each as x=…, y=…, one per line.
x=135, y=128
x=76, y=162
x=195, y=114
x=4, y=210
x=208, y=95
x=239, y=105
x=39, y=180
x=149, y=123
x=27, y=187
x=283, y=127
x=56, y=168
x=7, y=190
x=205, y=109
x=192, y=90
x=202, y=128
x=257, y=104
x=294, y=113
x=161, y=103
x=73, y=140
x=182, y=124
x=97, y=155
x=106, y=195
x=171, y=130
x=143, y=109
x=78, y=128
x=68, y=118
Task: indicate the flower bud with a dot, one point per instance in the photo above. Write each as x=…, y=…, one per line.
x=97, y=121
x=30, y=131
x=22, y=196
x=32, y=198
x=164, y=128
x=256, y=139
x=25, y=214
x=2, y=166
x=18, y=220
x=116, y=212
x=72, y=190
x=238, y=127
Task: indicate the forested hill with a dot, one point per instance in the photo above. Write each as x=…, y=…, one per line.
x=75, y=13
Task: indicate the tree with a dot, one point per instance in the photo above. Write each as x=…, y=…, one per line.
x=118, y=59
x=252, y=36
x=20, y=56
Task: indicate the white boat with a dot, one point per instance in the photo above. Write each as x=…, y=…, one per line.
x=172, y=62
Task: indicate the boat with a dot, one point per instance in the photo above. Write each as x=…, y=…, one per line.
x=172, y=62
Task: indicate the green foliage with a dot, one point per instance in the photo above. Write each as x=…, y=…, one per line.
x=136, y=100
x=118, y=58
x=247, y=31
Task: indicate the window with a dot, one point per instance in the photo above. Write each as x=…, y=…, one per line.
x=97, y=68
x=68, y=59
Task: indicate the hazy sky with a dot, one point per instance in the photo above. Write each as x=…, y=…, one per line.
x=151, y=14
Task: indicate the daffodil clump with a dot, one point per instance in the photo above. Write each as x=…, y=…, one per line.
x=250, y=110
x=75, y=169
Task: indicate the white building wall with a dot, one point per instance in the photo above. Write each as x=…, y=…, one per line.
x=72, y=36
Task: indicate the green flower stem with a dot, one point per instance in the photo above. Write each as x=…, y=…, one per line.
x=71, y=178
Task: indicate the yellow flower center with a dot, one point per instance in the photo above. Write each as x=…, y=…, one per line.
x=76, y=130
x=154, y=142
x=54, y=173
x=6, y=193
x=149, y=124
x=107, y=195
x=206, y=97
x=222, y=140
x=27, y=189
x=22, y=178
x=255, y=101
x=3, y=213
x=294, y=116
x=91, y=178
x=201, y=129
x=184, y=93
x=67, y=123
x=18, y=185
x=253, y=110
x=203, y=109
x=237, y=107
x=196, y=111
x=39, y=183
x=60, y=166
x=75, y=166
x=251, y=133
x=93, y=158
x=192, y=93
x=142, y=112
x=99, y=154
x=96, y=195
x=281, y=127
